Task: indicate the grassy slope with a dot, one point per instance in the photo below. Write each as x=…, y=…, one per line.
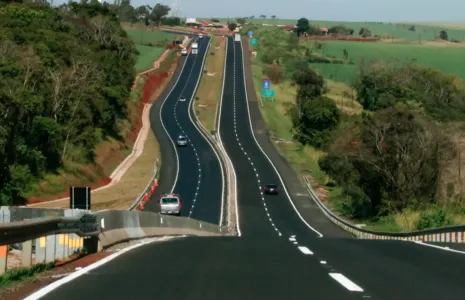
x=209, y=91
x=109, y=153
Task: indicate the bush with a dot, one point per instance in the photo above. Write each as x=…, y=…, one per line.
x=274, y=72
x=18, y=274
x=433, y=219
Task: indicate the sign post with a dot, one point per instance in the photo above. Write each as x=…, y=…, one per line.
x=268, y=93
x=250, y=33
x=253, y=42
x=266, y=84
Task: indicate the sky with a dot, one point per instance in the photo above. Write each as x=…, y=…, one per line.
x=331, y=10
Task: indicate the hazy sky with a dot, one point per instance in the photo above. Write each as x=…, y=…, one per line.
x=331, y=10
x=344, y=10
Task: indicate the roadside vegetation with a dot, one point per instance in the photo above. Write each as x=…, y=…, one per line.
x=382, y=148
x=70, y=116
x=209, y=91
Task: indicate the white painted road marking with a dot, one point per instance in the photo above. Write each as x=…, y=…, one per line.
x=305, y=250
x=323, y=262
x=346, y=282
x=292, y=239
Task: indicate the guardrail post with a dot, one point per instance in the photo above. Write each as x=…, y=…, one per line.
x=50, y=246
x=3, y=258
x=26, y=260
x=60, y=246
x=41, y=244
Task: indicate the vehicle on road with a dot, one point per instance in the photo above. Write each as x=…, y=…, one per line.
x=200, y=36
x=184, y=52
x=170, y=204
x=271, y=189
x=182, y=98
x=182, y=141
x=195, y=48
x=237, y=37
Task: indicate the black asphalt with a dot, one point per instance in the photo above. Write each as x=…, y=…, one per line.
x=266, y=262
x=199, y=181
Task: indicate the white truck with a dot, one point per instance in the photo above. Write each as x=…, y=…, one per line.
x=237, y=37
x=195, y=48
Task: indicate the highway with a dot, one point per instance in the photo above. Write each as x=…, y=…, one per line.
x=286, y=249
x=193, y=172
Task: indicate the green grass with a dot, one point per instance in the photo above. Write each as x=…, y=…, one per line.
x=147, y=36
x=446, y=59
x=427, y=31
x=147, y=56
x=18, y=274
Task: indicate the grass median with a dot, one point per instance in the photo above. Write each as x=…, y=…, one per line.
x=209, y=91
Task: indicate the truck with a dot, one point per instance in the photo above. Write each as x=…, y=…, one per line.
x=237, y=37
x=195, y=48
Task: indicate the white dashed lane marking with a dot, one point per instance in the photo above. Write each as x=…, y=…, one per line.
x=245, y=153
x=189, y=141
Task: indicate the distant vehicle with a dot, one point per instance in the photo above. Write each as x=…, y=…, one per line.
x=184, y=52
x=195, y=48
x=170, y=204
x=182, y=141
x=237, y=37
x=200, y=36
x=182, y=98
x=271, y=189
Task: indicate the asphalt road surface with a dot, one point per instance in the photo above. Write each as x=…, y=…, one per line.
x=199, y=179
x=277, y=256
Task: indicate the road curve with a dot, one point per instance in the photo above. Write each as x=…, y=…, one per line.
x=278, y=256
x=193, y=172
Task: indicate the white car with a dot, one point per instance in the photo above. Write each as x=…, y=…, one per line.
x=170, y=204
x=184, y=52
x=182, y=98
x=182, y=141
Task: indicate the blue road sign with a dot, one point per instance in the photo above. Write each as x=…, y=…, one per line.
x=250, y=34
x=266, y=84
x=253, y=41
x=268, y=93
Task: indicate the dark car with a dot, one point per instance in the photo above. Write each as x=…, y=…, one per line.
x=271, y=189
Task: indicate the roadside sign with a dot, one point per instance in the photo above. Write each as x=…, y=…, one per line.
x=266, y=84
x=250, y=34
x=268, y=93
x=253, y=41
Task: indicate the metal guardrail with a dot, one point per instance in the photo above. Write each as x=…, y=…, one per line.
x=20, y=231
x=451, y=234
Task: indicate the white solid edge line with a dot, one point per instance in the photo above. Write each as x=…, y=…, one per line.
x=191, y=104
x=305, y=250
x=221, y=141
x=276, y=170
x=346, y=282
x=49, y=288
x=437, y=247
x=166, y=131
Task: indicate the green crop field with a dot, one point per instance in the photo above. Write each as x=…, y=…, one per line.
x=147, y=36
x=425, y=31
x=147, y=56
x=450, y=60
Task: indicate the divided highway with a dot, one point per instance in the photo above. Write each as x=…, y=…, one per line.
x=280, y=255
x=194, y=172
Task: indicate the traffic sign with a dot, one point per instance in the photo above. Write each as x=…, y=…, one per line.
x=268, y=93
x=250, y=34
x=253, y=41
x=266, y=84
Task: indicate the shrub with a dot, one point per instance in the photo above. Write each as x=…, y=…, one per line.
x=433, y=219
x=275, y=73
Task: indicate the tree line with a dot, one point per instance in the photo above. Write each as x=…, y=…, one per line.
x=65, y=79
x=394, y=155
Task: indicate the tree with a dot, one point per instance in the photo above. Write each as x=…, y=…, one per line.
x=364, y=32
x=159, y=12
x=302, y=26
x=273, y=17
x=443, y=35
x=232, y=26
x=263, y=16
x=241, y=21
x=215, y=20
x=142, y=12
